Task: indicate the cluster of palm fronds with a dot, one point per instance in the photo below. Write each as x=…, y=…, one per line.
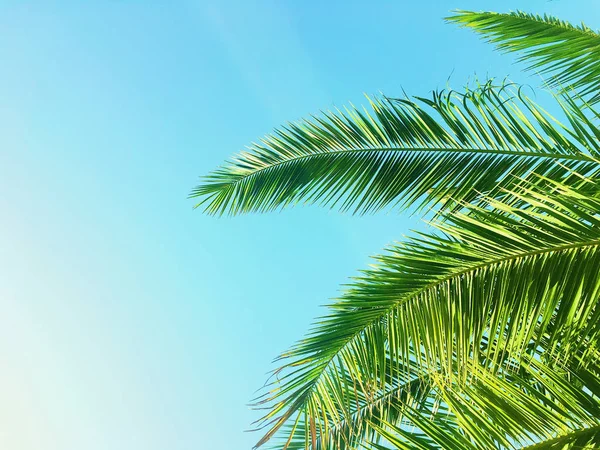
x=484, y=332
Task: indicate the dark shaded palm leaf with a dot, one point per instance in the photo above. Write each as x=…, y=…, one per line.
x=446, y=149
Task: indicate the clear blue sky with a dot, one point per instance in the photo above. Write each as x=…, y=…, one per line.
x=128, y=320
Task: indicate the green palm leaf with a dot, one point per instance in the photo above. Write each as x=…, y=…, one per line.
x=569, y=54
x=495, y=284
x=446, y=149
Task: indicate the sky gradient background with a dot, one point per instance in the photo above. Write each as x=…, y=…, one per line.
x=128, y=320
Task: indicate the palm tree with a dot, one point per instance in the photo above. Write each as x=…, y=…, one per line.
x=484, y=331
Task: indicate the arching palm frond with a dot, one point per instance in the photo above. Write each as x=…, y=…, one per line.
x=440, y=150
x=569, y=54
x=479, y=299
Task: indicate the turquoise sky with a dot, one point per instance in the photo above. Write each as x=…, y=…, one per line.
x=128, y=320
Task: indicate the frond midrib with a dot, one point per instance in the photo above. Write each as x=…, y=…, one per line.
x=520, y=153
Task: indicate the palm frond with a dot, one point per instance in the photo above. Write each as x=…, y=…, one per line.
x=569, y=54
x=495, y=284
x=446, y=150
